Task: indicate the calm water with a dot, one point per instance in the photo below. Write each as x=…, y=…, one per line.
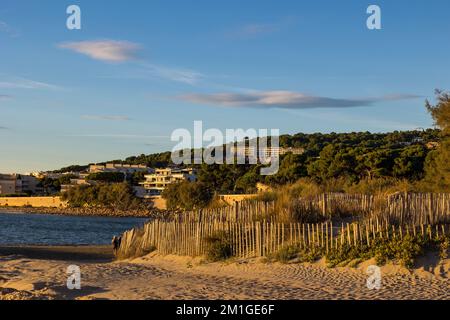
x=28, y=229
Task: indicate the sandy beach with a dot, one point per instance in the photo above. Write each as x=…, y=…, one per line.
x=40, y=273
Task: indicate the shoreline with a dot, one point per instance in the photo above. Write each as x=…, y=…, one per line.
x=41, y=273
x=86, y=212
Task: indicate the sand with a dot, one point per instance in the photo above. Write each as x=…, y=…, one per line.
x=40, y=273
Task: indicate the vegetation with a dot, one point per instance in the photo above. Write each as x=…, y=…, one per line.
x=437, y=167
x=157, y=160
x=52, y=186
x=74, y=168
x=351, y=160
x=14, y=195
x=119, y=196
x=109, y=177
x=403, y=251
x=218, y=247
x=188, y=195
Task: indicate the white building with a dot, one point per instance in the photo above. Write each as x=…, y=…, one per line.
x=250, y=151
x=116, y=167
x=74, y=183
x=156, y=182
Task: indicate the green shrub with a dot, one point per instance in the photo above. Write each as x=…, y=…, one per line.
x=188, y=195
x=443, y=247
x=294, y=252
x=218, y=247
x=117, y=195
x=403, y=251
x=286, y=254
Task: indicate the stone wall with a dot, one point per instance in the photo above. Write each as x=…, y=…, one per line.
x=37, y=202
x=232, y=198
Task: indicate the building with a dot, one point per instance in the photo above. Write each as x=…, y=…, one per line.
x=279, y=151
x=76, y=182
x=8, y=184
x=264, y=152
x=156, y=182
x=52, y=175
x=18, y=184
x=30, y=184
x=117, y=167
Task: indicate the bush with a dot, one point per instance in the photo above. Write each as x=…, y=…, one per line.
x=286, y=254
x=218, y=247
x=294, y=252
x=188, y=195
x=119, y=196
x=109, y=177
x=403, y=251
x=443, y=247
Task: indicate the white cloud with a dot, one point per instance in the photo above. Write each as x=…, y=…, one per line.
x=285, y=100
x=106, y=117
x=20, y=83
x=104, y=50
x=174, y=74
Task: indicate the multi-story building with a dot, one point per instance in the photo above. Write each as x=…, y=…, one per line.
x=8, y=184
x=75, y=183
x=116, y=167
x=17, y=184
x=156, y=182
x=53, y=175
x=265, y=152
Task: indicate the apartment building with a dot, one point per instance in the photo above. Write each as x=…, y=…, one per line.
x=117, y=167
x=52, y=175
x=7, y=184
x=265, y=152
x=156, y=182
x=17, y=183
x=75, y=183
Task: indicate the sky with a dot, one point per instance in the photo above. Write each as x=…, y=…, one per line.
x=137, y=70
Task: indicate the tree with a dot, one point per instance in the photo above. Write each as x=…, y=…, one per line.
x=410, y=162
x=292, y=168
x=437, y=165
x=187, y=195
x=119, y=196
x=109, y=177
x=334, y=161
x=375, y=163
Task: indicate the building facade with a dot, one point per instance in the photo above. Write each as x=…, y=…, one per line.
x=18, y=184
x=156, y=182
x=7, y=184
x=116, y=167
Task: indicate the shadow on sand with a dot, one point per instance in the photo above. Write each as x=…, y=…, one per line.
x=87, y=254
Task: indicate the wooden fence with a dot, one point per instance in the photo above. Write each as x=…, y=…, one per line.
x=414, y=208
x=258, y=239
x=409, y=208
x=244, y=211
x=319, y=208
x=257, y=229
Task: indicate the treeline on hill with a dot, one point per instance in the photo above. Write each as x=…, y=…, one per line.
x=360, y=162
x=352, y=156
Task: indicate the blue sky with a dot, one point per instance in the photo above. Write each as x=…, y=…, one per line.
x=137, y=70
